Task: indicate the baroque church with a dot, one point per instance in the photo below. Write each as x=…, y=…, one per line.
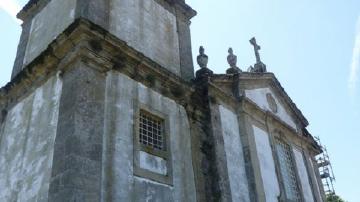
x=104, y=105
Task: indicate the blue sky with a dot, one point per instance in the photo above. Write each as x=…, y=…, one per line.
x=312, y=46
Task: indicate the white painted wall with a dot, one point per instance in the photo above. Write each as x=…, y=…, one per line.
x=47, y=25
x=149, y=28
x=234, y=155
x=27, y=144
x=303, y=175
x=122, y=94
x=258, y=96
x=267, y=165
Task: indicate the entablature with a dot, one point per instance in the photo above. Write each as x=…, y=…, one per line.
x=93, y=45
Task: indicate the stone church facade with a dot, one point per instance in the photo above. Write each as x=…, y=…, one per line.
x=104, y=105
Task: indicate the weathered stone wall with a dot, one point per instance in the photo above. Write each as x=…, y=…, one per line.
x=47, y=25
x=123, y=97
x=234, y=155
x=267, y=165
x=27, y=143
x=159, y=29
x=77, y=161
x=149, y=28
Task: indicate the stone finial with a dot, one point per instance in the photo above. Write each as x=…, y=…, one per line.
x=202, y=58
x=259, y=66
x=232, y=60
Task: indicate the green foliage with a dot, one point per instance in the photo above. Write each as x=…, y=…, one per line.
x=333, y=198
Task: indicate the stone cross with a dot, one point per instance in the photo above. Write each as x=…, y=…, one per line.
x=256, y=49
x=259, y=67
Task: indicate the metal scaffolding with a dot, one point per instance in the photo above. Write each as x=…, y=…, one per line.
x=325, y=168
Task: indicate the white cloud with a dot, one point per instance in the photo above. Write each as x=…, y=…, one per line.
x=11, y=7
x=355, y=62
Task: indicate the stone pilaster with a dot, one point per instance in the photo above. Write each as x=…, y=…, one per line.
x=245, y=133
x=186, y=61
x=203, y=145
x=77, y=161
x=219, y=147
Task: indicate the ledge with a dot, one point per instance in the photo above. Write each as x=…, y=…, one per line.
x=91, y=43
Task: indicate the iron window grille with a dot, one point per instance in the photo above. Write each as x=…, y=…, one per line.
x=151, y=131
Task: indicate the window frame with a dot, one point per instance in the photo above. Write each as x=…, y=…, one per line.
x=165, y=153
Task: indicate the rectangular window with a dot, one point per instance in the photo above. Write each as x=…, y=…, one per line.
x=151, y=132
x=152, y=157
x=287, y=169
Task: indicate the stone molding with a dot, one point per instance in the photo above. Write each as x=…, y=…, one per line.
x=91, y=43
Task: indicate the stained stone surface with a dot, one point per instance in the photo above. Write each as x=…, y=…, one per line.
x=153, y=163
x=27, y=143
x=149, y=28
x=146, y=25
x=77, y=162
x=121, y=94
x=47, y=25
x=150, y=191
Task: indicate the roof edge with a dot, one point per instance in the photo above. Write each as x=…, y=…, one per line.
x=271, y=77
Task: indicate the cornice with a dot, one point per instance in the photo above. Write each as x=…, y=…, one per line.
x=244, y=77
x=90, y=43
